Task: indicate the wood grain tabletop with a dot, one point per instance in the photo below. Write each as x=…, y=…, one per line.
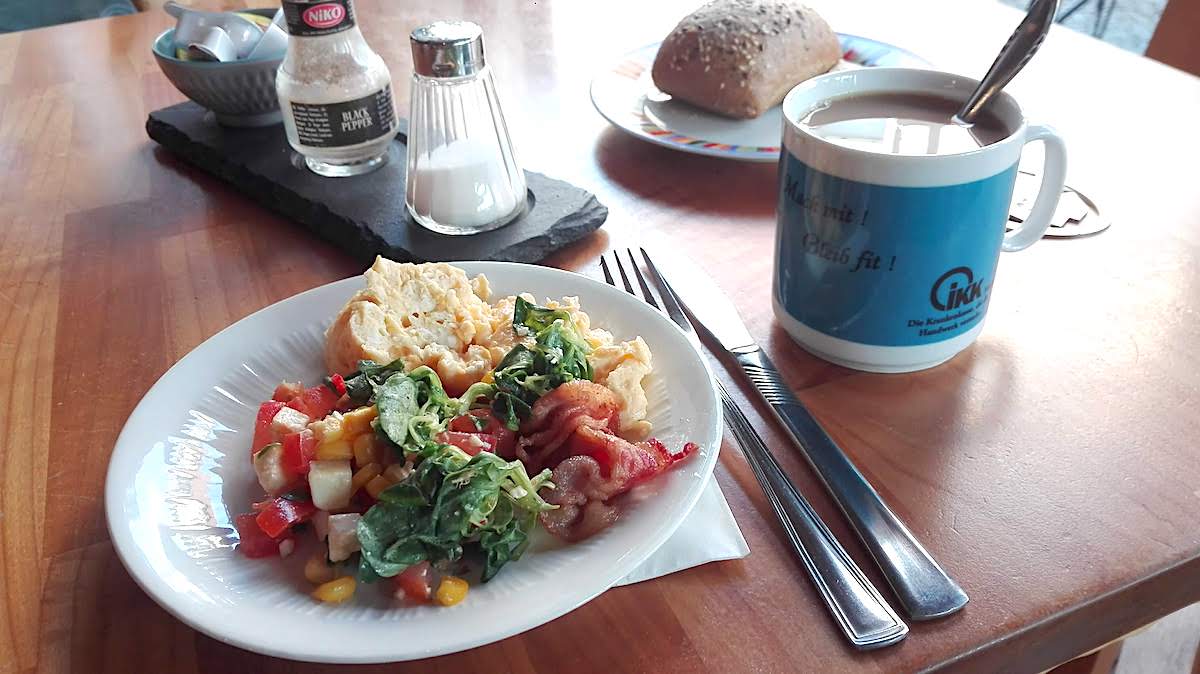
x=1051, y=467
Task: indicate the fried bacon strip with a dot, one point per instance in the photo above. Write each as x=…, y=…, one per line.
x=573, y=429
x=557, y=415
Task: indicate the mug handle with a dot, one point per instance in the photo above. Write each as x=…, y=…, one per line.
x=1054, y=177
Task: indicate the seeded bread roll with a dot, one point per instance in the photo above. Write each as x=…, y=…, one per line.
x=740, y=57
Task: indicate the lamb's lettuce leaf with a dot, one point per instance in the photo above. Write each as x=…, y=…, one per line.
x=526, y=373
x=450, y=502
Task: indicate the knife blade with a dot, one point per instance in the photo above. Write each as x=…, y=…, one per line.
x=924, y=589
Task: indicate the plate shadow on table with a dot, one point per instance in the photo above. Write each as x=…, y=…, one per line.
x=695, y=182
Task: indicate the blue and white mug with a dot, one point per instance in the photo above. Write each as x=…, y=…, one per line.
x=886, y=262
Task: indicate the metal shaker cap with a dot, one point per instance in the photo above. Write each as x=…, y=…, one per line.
x=447, y=49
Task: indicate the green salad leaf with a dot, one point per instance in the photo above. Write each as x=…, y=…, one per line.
x=530, y=317
x=396, y=399
x=360, y=386
x=413, y=406
x=432, y=396
x=558, y=355
x=502, y=544
x=450, y=502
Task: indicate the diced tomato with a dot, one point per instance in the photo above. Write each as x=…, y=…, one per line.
x=339, y=384
x=252, y=541
x=316, y=402
x=476, y=421
x=263, y=435
x=482, y=420
x=464, y=424
x=416, y=582
x=299, y=449
x=471, y=443
x=286, y=391
x=277, y=517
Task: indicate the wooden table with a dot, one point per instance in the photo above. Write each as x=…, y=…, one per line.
x=1052, y=467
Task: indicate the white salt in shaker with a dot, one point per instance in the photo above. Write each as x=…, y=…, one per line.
x=463, y=177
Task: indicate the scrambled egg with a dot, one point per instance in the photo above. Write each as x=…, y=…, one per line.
x=428, y=314
x=620, y=367
x=432, y=314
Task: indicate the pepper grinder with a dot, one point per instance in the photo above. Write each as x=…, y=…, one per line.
x=463, y=176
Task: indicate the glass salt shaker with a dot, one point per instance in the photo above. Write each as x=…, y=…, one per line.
x=334, y=90
x=463, y=176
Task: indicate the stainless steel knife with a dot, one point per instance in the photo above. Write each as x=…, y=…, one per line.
x=924, y=589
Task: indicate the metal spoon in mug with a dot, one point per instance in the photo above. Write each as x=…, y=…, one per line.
x=1021, y=47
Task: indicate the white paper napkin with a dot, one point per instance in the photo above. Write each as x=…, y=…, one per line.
x=709, y=534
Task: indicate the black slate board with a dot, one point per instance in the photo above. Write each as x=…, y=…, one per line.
x=365, y=215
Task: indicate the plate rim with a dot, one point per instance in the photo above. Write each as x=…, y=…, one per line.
x=700, y=146
x=178, y=605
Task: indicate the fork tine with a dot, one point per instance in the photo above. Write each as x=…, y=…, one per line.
x=670, y=301
x=624, y=279
x=648, y=296
x=608, y=277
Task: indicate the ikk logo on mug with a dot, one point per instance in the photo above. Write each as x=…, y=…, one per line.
x=947, y=294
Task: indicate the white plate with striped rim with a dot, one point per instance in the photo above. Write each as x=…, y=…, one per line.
x=180, y=473
x=626, y=96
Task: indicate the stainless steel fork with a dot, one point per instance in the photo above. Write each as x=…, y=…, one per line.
x=861, y=612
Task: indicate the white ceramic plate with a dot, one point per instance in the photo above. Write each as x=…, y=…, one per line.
x=181, y=471
x=626, y=96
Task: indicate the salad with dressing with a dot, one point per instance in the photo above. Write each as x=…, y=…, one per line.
x=408, y=487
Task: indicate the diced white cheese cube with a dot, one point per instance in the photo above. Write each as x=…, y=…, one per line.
x=329, y=484
x=288, y=420
x=343, y=536
x=268, y=467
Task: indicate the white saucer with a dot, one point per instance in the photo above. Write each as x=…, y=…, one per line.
x=626, y=96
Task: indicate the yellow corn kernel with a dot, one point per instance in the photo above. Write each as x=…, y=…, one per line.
x=364, y=449
x=488, y=378
x=397, y=472
x=451, y=590
x=335, y=451
x=377, y=484
x=363, y=476
x=358, y=421
x=317, y=570
x=335, y=591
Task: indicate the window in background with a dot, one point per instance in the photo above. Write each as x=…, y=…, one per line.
x=1127, y=24
x=23, y=14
